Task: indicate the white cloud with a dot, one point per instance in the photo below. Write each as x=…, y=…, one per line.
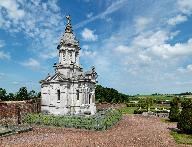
x=155, y=43
x=4, y=55
x=145, y=58
x=85, y=47
x=32, y=64
x=12, y=9
x=177, y=19
x=150, y=39
x=188, y=68
x=89, y=15
x=48, y=54
x=150, y=42
x=122, y=49
x=86, y=52
x=141, y=23
x=185, y=6
x=178, y=49
x=39, y=21
x=146, y=63
x=88, y=35
x=143, y=39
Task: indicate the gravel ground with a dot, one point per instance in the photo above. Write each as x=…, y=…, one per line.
x=131, y=131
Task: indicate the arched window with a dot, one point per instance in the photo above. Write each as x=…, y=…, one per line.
x=58, y=95
x=77, y=94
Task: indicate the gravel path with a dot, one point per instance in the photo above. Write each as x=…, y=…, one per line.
x=131, y=131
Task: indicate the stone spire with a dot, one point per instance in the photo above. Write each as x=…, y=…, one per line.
x=68, y=37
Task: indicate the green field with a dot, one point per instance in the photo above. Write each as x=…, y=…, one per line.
x=158, y=97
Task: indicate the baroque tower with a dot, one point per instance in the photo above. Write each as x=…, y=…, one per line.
x=70, y=90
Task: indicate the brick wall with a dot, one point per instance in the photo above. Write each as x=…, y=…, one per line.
x=12, y=112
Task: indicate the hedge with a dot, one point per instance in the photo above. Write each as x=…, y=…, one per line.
x=101, y=121
x=185, y=118
x=174, y=110
x=139, y=111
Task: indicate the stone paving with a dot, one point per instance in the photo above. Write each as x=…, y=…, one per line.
x=131, y=131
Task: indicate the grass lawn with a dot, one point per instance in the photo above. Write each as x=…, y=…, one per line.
x=128, y=110
x=182, y=138
x=159, y=97
x=166, y=120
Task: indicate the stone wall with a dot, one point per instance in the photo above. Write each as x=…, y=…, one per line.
x=12, y=112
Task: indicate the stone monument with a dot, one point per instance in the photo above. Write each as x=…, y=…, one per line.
x=70, y=91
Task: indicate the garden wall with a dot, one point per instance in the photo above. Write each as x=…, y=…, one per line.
x=12, y=112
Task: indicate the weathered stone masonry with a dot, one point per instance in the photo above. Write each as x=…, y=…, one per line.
x=70, y=90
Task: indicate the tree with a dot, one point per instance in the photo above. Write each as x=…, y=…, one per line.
x=10, y=97
x=185, y=118
x=22, y=94
x=174, y=110
x=109, y=95
x=39, y=95
x=3, y=96
x=146, y=102
x=32, y=94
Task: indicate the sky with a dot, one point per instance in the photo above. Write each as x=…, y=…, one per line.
x=137, y=46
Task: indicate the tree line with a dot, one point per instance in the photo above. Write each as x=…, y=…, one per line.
x=110, y=95
x=21, y=95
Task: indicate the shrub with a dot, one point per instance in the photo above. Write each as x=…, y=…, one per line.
x=174, y=110
x=185, y=119
x=139, y=111
x=101, y=121
x=133, y=104
x=146, y=102
x=160, y=111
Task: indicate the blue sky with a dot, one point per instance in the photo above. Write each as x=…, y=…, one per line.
x=137, y=46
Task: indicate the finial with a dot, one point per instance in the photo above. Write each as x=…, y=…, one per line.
x=68, y=28
x=68, y=19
